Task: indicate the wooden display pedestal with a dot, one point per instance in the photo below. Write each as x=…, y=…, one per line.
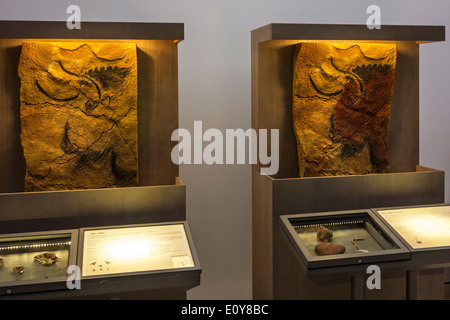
x=161, y=195
x=276, y=274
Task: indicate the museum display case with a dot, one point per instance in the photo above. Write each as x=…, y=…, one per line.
x=275, y=48
x=33, y=261
x=145, y=256
x=112, y=260
x=159, y=189
x=332, y=239
x=425, y=230
x=73, y=152
x=412, y=241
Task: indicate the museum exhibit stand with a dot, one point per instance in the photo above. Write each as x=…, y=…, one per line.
x=128, y=242
x=287, y=207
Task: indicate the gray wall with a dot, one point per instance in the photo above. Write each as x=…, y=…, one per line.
x=214, y=86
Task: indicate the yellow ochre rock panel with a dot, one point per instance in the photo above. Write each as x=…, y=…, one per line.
x=79, y=115
x=342, y=95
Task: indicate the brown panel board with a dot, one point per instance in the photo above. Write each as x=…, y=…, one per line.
x=303, y=195
x=92, y=30
x=34, y=211
x=287, y=31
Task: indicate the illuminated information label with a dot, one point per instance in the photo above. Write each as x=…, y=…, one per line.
x=424, y=227
x=135, y=249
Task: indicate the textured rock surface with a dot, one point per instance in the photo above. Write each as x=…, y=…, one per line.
x=327, y=248
x=342, y=95
x=79, y=115
x=324, y=234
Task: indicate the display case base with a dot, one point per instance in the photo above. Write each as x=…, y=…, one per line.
x=39, y=211
x=275, y=269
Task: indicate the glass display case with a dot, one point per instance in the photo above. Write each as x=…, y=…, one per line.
x=341, y=238
x=120, y=259
x=109, y=251
x=36, y=260
x=425, y=231
x=420, y=227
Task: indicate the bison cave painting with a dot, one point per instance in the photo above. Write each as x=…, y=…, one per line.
x=79, y=115
x=341, y=107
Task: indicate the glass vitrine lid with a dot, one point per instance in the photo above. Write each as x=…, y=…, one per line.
x=424, y=227
x=345, y=237
x=357, y=234
x=128, y=249
x=34, y=257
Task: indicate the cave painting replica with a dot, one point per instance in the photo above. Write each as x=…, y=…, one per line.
x=78, y=115
x=342, y=96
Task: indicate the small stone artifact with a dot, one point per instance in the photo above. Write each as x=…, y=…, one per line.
x=47, y=258
x=327, y=248
x=342, y=95
x=18, y=270
x=324, y=234
x=78, y=115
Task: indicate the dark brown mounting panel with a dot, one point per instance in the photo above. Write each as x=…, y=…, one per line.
x=91, y=30
x=285, y=31
x=272, y=69
x=157, y=55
